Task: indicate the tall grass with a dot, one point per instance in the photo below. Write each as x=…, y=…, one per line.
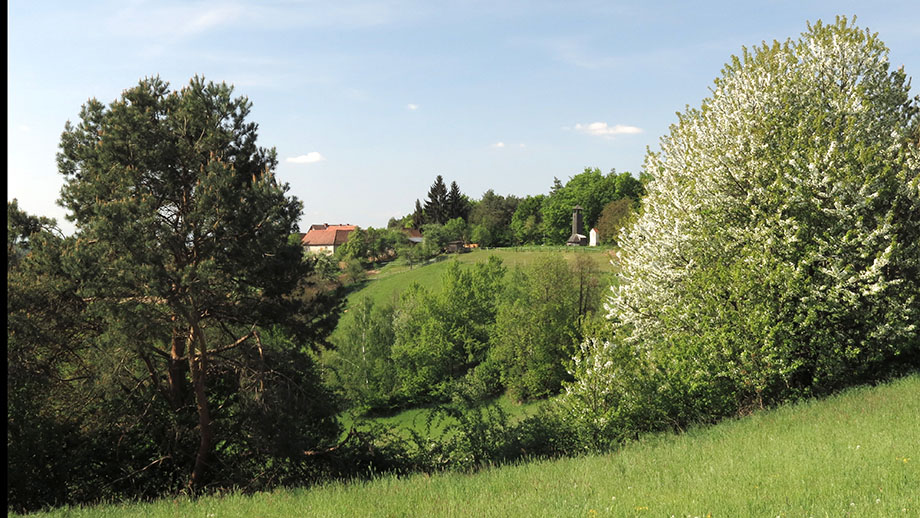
x=854, y=455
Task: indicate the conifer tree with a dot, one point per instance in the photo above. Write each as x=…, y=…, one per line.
x=186, y=230
x=457, y=204
x=418, y=216
x=436, y=208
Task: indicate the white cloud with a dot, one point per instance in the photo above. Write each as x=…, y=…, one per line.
x=412, y=107
x=310, y=158
x=601, y=129
x=522, y=145
x=498, y=145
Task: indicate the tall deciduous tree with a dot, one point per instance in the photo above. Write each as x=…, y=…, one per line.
x=185, y=228
x=527, y=221
x=538, y=323
x=614, y=218
x=491, y=219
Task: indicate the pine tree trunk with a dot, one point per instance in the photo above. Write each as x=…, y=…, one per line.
x=198, y=368
x=176, y=370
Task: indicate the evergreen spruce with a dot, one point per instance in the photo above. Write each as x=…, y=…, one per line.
x=436, y=208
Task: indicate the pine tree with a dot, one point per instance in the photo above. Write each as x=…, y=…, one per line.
x=418, y=217
x=457, y=204
x=436, y=209
x=184, y=231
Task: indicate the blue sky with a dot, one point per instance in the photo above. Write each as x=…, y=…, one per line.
x=366, y=101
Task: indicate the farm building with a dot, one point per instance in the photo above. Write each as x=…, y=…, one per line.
x=325, y=238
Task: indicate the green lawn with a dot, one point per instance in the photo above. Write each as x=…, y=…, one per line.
x=853, y=455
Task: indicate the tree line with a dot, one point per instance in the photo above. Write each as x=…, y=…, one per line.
x=609, y=202
x=495, y=220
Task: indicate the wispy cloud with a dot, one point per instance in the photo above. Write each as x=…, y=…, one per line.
x=577, y=53
x=412, y=107
x=175, y=21
x=591, y=53
x=310, y=158
x=498, y=145
x=602, y=129
x=147, y=18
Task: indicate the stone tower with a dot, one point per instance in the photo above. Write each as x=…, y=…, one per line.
x=578, y=237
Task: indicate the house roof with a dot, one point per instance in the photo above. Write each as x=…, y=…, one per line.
x=326, y=235
x=412, y=232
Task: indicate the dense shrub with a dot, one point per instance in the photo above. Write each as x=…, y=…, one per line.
x=440, y=337
x=538, y=323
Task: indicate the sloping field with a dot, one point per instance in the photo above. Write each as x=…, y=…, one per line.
x=386, y=285
x=853, y=455
x=394, y=277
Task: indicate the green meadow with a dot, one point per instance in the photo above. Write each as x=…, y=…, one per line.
x=417, y=419
x=856, y=454
x=390, y=280
x=386, y=284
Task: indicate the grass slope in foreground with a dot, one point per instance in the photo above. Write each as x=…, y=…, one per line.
x=856, y=454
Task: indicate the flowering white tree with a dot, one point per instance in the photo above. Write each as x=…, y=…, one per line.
x=779, y=245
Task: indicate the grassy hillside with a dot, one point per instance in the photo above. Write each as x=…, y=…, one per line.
x=394, y=277
x=386, y=284
x=856, y=455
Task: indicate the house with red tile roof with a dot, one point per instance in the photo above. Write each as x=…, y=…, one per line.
x=325, y=238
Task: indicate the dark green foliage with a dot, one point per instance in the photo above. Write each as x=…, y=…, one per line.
x=490, y=219
x=527, y=221
x=45, y=329
x=138, y=339
x=418, y=216
x=462, y=437
x=19, y=228
x=281, y=411
x=436, y=206
x=458, y=205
